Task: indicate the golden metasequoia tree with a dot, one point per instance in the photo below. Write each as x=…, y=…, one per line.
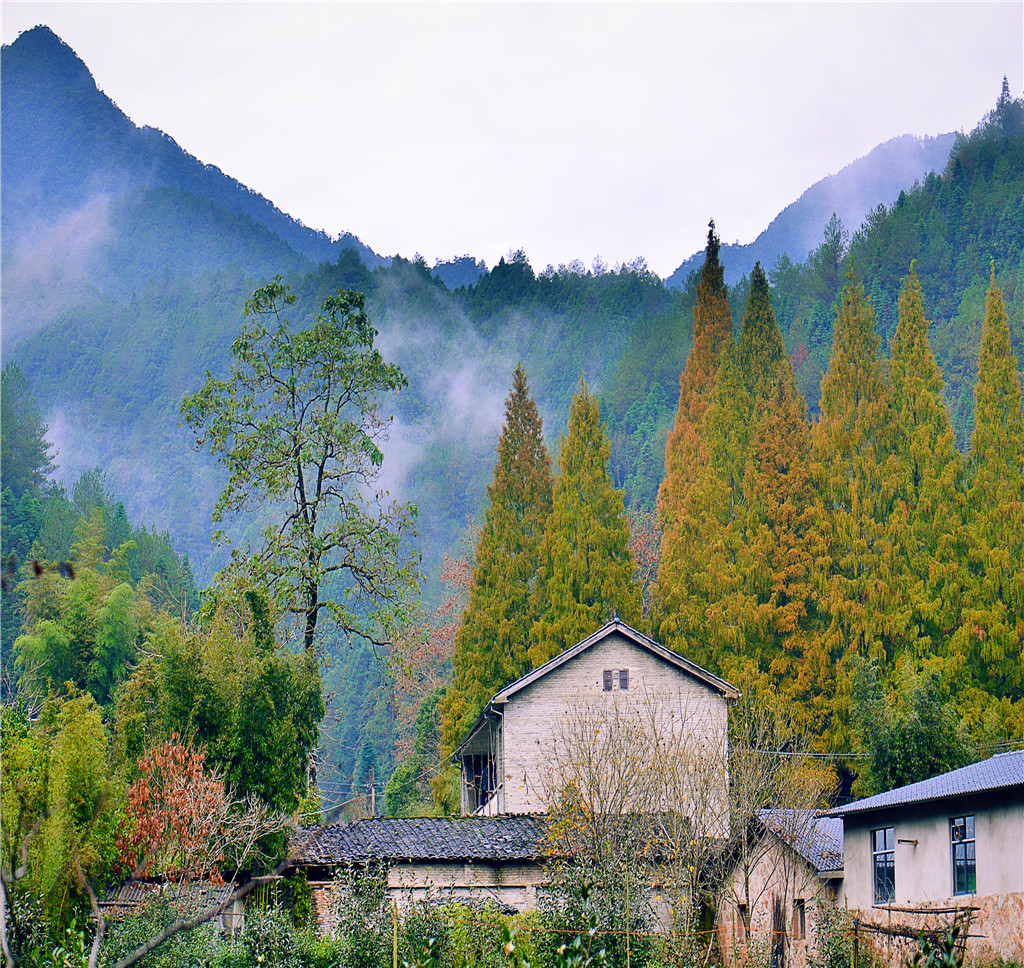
x=691, y=491
x=992, y=634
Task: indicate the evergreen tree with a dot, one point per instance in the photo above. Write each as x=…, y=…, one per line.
x=929, y=535
x=25, y=456
x=859, y=479
x=691, y=491
x=761, y=350
x=492, y=642
x=993, y=624
x=587, y=570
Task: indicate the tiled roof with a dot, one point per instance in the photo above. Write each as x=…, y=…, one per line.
x=819, y=840
x=1000, y=772
x=519, y=838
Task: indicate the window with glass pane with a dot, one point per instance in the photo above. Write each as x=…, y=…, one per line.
x=961, y=835
x=883, y=861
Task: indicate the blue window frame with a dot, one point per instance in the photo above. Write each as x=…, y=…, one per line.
x=883, y=863
x=961, y=838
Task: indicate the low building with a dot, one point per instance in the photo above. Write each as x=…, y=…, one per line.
x=477, y=859
x=920, y=856
x=787, y=875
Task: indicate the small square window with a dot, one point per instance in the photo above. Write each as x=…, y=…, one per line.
x=623, y=679
x=607, y=680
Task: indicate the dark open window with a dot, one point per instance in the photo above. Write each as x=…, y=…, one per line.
x=961, y=836
x=607, y=680
x=799, y=920
x=482, y=774
x=883, y=862
x=623, y=679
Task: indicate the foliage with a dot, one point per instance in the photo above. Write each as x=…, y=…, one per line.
x=365, y=924
x=223, y=686
x=586, y=573
x=156, y=913
x=298, y=426
x=833, y=934
x=25, y=453
x=181, y=823
x=914, y=735
x=942, y=954
x=61, y=807
x=492, y=642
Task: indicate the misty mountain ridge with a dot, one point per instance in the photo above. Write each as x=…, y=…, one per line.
x=66, y=143
x=852, y=193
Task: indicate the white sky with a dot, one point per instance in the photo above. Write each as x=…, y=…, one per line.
x=571, y=130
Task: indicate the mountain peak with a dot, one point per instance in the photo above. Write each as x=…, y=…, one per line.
x=41, y=51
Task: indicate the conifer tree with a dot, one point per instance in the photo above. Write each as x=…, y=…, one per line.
x=587, y=569
x=691, y=490
x=992, y=634
x=859, y=479
x=492, y=642
x=761, y=350
x=929, y=536
x=784, y=540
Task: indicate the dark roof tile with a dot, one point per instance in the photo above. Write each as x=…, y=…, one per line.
x=496, y=839
x=1000, y=772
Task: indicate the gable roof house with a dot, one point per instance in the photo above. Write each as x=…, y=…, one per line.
x=616, y=680
x=790, y=871
x=511, y=756
x=916, y=856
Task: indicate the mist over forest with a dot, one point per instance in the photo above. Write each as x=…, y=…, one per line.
x=127, y=263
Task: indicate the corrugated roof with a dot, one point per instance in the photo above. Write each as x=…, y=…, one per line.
x=1001, y=772
x=819, y=840
x=496, y=839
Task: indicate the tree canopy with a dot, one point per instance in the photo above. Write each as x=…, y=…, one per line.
x=299, y=426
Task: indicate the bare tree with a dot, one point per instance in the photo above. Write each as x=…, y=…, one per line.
x=647, y=779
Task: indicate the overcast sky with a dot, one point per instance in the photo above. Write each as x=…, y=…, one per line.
x=570, y=130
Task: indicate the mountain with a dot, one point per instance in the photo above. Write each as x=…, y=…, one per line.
x=876, y=179
x=73, y=161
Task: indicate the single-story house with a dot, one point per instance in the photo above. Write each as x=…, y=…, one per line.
x=496, y=859
x=785, y=872
x=916, y=856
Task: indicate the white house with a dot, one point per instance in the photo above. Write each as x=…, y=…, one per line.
x=614, y=687
x=917, y=855
x=613, y=675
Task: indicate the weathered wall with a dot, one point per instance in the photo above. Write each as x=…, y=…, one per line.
x=514, y=885
x=775, y=870
x=533, y=719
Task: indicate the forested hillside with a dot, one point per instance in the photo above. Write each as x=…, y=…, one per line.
x=127, y=265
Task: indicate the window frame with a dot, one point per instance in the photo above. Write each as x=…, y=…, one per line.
x=967, y=841
x=883, y=865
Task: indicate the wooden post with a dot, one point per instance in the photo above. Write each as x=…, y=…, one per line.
x=394, y=933
x=853, y=947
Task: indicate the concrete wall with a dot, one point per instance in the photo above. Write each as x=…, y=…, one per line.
x=534, y=730
x=924, y=872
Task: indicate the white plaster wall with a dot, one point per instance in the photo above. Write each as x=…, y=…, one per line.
x=924, y=873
